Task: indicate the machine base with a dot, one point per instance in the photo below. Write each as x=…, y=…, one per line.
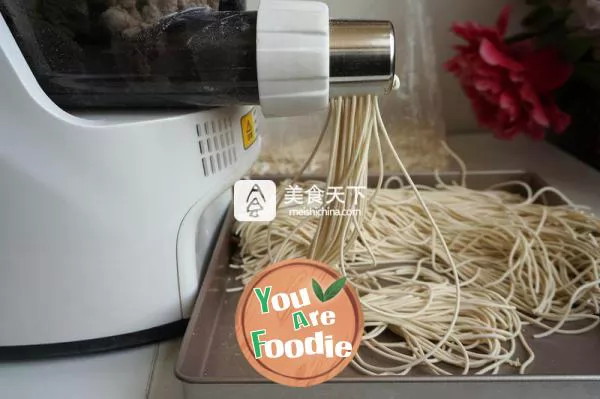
x=94, y=346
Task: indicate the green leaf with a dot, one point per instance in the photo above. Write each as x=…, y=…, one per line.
x=562, y=15
x=539, y=18
x=544, y=18
x=588, y=72
x=555, y=35
x=334, y=289
x=574, y=48
x=318, y=290
x=520, y=37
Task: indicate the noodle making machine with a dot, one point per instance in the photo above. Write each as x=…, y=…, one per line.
x=124, y=127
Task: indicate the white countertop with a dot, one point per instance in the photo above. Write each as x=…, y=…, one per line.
x=148, y=372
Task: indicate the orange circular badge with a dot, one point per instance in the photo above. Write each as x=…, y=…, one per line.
x=299, y=323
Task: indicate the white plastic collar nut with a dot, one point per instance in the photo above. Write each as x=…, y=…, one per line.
x=292, y=57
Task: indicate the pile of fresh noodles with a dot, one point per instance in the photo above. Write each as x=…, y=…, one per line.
x=448, y=276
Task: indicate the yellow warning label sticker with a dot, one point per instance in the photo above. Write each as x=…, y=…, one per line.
x=248, y=130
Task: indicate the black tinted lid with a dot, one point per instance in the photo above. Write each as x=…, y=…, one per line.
x=133, y=53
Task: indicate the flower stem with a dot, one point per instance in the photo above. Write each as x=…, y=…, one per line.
x=519, y=37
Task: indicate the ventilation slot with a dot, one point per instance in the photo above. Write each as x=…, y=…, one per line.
x=216, y=145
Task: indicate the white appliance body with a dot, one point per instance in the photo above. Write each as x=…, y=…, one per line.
x=106, y=221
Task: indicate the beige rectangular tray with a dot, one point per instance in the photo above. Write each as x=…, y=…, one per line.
x=212, y=366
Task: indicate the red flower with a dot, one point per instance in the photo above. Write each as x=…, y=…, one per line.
x=510, y=86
